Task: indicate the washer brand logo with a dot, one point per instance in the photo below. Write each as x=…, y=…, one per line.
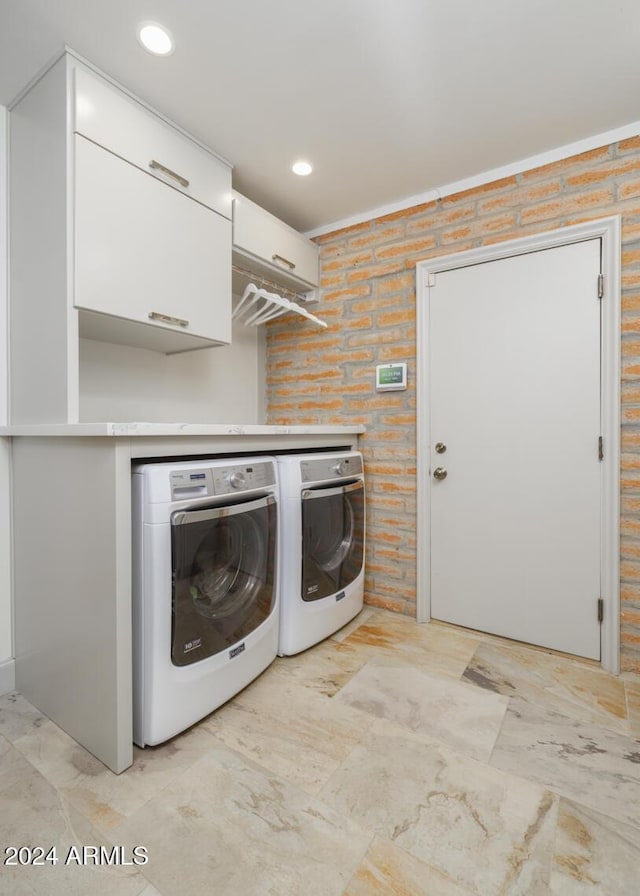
x=340, y=596
x=312, y=588
x=192, y=645
x=236, y=650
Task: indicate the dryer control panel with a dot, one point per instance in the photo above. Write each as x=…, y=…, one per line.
x=331, y=467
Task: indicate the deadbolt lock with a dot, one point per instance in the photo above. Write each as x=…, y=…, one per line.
x=439, y=473
x=440, y=447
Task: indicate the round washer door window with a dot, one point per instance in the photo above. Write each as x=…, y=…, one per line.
x=223, y=571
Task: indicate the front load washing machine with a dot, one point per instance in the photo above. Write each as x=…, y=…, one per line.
x=205, y=587
x=322, y=538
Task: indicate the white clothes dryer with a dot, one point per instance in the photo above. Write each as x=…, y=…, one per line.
x=322, y=541
x=205, y=587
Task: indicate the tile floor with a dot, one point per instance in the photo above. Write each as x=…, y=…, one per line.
x=391, y=760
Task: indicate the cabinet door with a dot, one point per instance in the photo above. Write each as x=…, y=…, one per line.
x=264, y=236
x=145, y=252
x=107, y=116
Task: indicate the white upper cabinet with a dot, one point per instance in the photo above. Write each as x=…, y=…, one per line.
x=164, y=262
x=120, y=231
x=113, y=119
x=268, y=246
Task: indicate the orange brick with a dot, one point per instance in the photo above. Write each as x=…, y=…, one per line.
x=481, y=190
x=520, y=197
x=385, y=469
x=373, y=304
x=342, y=233
x=373, y=271
x=394, y=318
x=558, y=207
x=326, y=282
x=564, y=165
x=629, y=189
x=376, y=236
x=406, y=213
x=348, y=261
x=407, y=247
x=631, y=144
x=396, y=353
x=603, y=172
x=397, y=284
x=347, y=292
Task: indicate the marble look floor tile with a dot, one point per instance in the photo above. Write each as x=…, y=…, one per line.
x=95, y=790
x=596, y=767
x=325, y=668
x=594, y=854
x=484, y=830
x=430, y=646
x=292, y=731
x=388, y=870
x=363, y=616
x=18, y=716
x=228, y=826
x=575, y=689
x=465, y=718
x=33, y=814
x=633, y=707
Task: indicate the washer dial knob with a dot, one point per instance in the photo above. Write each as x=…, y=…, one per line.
x=236, y=479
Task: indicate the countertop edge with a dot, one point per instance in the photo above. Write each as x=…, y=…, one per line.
x=143, y=429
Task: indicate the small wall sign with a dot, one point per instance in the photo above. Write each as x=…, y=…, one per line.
x=391, y=377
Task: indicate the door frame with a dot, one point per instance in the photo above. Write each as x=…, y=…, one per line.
x=609, y=231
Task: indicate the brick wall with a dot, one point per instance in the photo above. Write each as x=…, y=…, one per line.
x=368, y=300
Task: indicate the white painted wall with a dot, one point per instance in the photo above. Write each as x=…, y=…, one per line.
x=225, y=384
x=6, y=638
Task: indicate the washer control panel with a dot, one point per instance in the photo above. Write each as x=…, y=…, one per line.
x=243, y=478
x=201, y=482
x=330, y=468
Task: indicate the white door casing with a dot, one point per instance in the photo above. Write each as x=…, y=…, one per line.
x=432, y=495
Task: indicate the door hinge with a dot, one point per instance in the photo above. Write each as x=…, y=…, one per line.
x=600, y=285
x=600, y=609
x=600, y=448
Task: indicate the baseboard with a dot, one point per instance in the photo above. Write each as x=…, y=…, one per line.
x=7, y=676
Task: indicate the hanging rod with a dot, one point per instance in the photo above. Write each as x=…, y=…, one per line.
x=269, y=305
x=264, y=281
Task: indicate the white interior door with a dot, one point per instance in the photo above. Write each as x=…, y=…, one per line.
x=514, y=380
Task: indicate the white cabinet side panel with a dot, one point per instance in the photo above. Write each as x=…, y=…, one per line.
x=6, y=622
x=4, y=283
x=72, y=580
x=42, y=358
x=6, y=639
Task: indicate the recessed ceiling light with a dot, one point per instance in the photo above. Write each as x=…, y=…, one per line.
x=302, y=168
x=155, y=38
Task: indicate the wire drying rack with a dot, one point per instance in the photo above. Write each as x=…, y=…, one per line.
x=258, y=305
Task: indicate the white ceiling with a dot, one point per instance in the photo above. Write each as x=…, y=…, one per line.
x=388, y=98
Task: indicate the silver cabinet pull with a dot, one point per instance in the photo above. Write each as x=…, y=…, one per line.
x=440, y=447
x=281, y=258
x=167, y=319
x=164, y=170
x=439, y=473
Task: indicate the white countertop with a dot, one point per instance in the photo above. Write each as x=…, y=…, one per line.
x=133, y=429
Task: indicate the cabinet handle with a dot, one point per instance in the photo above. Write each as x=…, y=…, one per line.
x=167, y=319
x=164, y=170
x=289, y=264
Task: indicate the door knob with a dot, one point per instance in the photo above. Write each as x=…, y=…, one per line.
x=439, y=473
